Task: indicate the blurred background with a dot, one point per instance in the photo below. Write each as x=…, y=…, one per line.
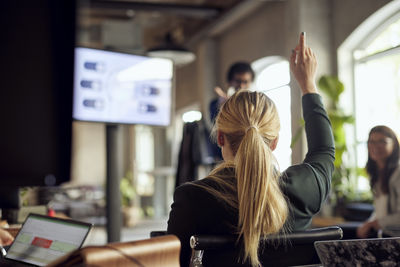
x=357, y=45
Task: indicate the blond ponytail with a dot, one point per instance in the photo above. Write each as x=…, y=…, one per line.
x=250, y=122
x=262, y=207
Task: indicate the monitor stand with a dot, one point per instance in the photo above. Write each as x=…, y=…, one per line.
x=114, y=174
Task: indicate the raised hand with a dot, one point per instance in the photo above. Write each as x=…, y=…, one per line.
x=303, y=65
x=220, y=92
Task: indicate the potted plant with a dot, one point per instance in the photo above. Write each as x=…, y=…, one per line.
x=131, y=213
x=344, y=178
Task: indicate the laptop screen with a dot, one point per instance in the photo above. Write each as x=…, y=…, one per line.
x=43, y=239
x=359, y=252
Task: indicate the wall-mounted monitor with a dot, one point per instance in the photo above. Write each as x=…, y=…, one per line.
x=114, y=87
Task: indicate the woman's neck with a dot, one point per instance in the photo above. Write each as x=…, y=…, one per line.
x=381, y=165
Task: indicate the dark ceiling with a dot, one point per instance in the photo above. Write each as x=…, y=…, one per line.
x=181, y=18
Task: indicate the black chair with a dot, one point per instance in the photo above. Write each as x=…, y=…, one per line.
x=279, y=250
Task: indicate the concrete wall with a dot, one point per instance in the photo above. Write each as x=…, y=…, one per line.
x=187, y=89
x=88, y=153
x=259, y=35
x=348, y=15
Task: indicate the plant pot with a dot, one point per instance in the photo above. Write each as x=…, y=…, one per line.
x=131, y=216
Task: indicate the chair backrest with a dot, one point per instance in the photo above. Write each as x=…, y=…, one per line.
x=295, y=248
x=158, y=233
x=162, y=251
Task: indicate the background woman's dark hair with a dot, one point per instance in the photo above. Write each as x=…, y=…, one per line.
x=391, y=163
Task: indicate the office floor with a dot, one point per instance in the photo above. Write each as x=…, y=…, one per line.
x=98, y=234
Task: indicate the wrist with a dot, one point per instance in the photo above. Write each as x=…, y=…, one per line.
x=308, y=89
x=307, y=85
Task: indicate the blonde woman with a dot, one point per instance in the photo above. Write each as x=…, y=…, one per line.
x=246, y=195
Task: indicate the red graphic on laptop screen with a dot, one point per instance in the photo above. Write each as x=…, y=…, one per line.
x=41, y=242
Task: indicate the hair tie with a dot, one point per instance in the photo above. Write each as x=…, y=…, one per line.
x=252, y=126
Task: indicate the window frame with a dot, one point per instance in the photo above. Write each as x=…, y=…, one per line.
x=259, y=66
x=359, y=39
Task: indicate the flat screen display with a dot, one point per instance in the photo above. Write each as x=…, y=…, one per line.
x=115, y=87
x=43, y=239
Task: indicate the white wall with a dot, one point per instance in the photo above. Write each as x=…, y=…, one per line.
x=88, y=153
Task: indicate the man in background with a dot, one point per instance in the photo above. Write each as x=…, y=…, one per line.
x=240, y=76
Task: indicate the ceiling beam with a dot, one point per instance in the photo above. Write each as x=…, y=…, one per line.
x=196, y=11
x=226, y=20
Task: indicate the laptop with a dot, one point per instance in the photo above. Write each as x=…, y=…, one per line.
x=43, y=239
x=359, y=252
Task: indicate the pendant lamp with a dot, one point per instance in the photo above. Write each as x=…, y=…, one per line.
x=178, y=54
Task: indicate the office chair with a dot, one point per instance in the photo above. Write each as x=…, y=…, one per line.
x=162, y=251
x=291, y=249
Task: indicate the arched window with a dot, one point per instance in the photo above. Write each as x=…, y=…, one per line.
x=377, y=85
x=369, y=65
x=272, y=78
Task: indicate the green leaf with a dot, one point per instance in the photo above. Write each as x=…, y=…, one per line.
x=331, y=86
x=127, y=189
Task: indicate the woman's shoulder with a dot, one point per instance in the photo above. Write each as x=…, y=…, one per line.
x=297, y=170
x=199, y=186
x=209, y=188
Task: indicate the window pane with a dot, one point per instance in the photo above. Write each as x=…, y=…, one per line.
x=376, y=88
x=273, y=76
x=387, y=39
x=144, y=160
x=283, y=152
x=377, y=95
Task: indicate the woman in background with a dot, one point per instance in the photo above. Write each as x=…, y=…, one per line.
x=383, y=168
x=247, y=195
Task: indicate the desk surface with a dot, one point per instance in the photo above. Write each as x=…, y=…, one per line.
x=319, y=221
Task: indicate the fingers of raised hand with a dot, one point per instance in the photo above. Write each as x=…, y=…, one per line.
x=220, y=92
x=308, y=55
x=302, y=53
x=308, y=51
x=302, y=44
x=293, y=57
x=311, y=56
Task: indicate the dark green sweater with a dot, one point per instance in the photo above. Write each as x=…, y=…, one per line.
x=306, y=185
